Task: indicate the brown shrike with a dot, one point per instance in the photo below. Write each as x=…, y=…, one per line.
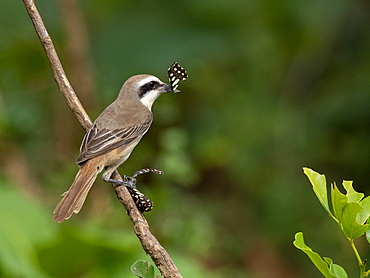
x=112, y=138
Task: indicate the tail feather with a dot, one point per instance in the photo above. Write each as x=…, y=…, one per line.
x=76, y=195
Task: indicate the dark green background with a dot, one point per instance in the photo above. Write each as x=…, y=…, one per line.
x=273, y=86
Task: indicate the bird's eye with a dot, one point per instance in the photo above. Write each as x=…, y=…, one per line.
x=147, y=87
x=153, y=84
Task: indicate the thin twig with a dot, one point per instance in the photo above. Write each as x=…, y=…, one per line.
x=58, y=71
x=150, y=244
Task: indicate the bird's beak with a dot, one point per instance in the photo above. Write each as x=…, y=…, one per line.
x=165, y=88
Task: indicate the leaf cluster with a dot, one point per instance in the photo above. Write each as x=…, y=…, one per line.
x=350, y=211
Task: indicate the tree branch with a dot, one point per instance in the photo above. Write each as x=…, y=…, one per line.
x=58, y=71
x=150, y=244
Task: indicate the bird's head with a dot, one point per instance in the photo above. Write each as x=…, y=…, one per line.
x=144, y=88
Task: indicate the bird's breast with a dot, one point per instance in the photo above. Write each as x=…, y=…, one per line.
x=121, y=154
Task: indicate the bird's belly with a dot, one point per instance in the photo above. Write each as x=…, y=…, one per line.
x=120, y=155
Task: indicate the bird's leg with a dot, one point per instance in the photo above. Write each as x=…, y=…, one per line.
x=142, y=202
x=127, y=181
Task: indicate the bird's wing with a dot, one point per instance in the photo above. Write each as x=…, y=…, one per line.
x=100, y=141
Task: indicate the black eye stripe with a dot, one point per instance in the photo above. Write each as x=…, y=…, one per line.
x=151, y=85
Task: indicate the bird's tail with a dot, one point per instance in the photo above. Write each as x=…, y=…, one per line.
x=75, y=197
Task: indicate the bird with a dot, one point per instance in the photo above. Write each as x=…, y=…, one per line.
x=112, y=138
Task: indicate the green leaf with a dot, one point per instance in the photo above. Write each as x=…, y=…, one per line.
x=353, y=196
x=367, y=234
x=143, y=269
x=365, y=213
x=320, y=264
x=319, y=186
x=338, y=271
x=350, y=226
x=363, y=216
x=335, y=269
x=328, y=260
x=339, y=201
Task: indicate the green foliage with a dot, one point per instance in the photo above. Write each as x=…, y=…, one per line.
x=319, y=187
x=32, y=245
x=350, y=211
x=324, y=265
x=144, y=269
x=23, y=227
x=272, y=85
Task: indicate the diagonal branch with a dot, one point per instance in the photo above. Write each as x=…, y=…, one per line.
x=58, y=71
x=150, y=244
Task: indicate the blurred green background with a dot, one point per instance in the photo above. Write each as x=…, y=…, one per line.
x=273, y=86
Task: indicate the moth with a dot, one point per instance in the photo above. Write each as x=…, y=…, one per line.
x=176, y=73
x=143, y=203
